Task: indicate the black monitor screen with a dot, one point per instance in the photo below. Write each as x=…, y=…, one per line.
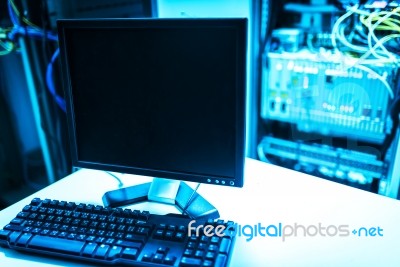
x=157, y=97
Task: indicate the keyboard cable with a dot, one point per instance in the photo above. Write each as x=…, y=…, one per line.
x=120, y=183
x=190, y=200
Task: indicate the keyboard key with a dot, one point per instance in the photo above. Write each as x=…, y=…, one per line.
x=13, y=227
x=119, y=235
x=50, y=211
x=110, y=241
x=100, y=233
x=100, y=240
x=103, y=226
x=225, y=245
x=89, y=249
x=142, y=231
x=210, y=255
x=211, y=247
x=36, y=230
x=207, y=263
x=171, y=227
x=115, y=252
x=82, y=230
x=33, y=216
x=130, y=253
x=46, y=202
x=70, y=206
x=129, y=221
x=129, y=244
x=158, y=257
x=63, y=234
x=169, y=260
x=204, y=238
x=62, y=204
x=80, y=207
x=136, y=238
x=98, y=209
x=85, y=223
x=91, y=231
x=52, y=244
x=131, y=229
x=127, y=213
x=112, y=227
x=23, y=240
x=215, y=239
x=91, y=238
x=27, y=229
x=53, y=203
x=102, y=251
x=190, y=262
x=29, y=223
x=35, y=202
x=203, y=245
x=179, y=236
x=71, y=236
x=168, y=235
x=17, y=221
x=188, y=252
x=4, y=234
x=54, y=233
x=147, y=257
x=121, y=228
x=220, y=260
x=191, y=245
x=162, y=250
x=14, y=237
x=80, y=237
x=110, y=234
x=42, y=210
x=159, y=234
x=199, y=254
x=144, y=215
x=55, y=226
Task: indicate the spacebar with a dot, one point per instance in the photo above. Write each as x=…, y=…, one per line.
x=59, y=245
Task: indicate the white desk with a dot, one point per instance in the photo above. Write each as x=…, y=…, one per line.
x=271, y=195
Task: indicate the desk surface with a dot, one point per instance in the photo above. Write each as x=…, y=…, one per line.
x=271, y=195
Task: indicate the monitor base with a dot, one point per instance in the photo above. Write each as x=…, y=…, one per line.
x=198, y=208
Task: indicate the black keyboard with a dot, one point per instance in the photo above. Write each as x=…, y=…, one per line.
x=117, y=236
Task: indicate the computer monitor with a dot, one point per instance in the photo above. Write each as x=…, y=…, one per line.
x=157, y=97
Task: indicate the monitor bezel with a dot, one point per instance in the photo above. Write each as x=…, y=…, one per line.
x=240, y=24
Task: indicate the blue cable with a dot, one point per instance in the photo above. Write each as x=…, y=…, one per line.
x=30, y=32
x=14, y=19
x=26, y=30
x=50, y=83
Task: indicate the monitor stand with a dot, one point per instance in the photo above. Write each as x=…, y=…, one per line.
x=167, y=191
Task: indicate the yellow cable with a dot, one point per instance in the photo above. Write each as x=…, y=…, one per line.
x=391, y=25
x=8, y=48
x=371, y=32
x=28, y=22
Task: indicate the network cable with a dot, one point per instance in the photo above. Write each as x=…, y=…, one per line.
x=50, y=83
x=373, y=46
